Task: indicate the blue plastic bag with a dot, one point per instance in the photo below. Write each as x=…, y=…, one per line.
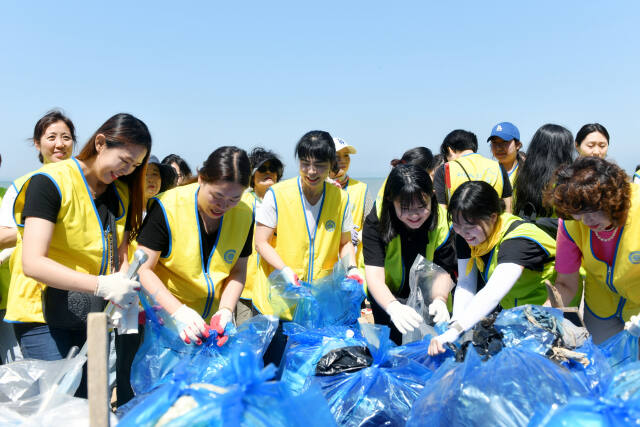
x=305, y=347
x=582, y=412
x=418, y=352
x=163, y=355
x=381, y=394
x=331, y=301
x=620, y=349
x=508, y=390
x=518, y=331
x=241, y=395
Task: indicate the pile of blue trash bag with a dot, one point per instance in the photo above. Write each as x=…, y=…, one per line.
x=240, y=395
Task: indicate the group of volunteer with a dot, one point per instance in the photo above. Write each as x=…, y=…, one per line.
x=498, y=230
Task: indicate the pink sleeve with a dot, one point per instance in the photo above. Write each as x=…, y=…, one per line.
x=568, y=254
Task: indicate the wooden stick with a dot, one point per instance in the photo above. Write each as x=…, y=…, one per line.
x=98, y=388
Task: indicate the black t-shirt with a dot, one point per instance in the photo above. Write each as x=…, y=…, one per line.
x=42, y=200
x=154, y=234
x=440, y=187
x=413, y=242
x=519, y=250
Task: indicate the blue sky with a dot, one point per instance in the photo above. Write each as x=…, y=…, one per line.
x=386, y=77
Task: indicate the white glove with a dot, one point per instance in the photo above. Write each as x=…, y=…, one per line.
x=125, y=320
x=633, y=325
x=290, y=276
x=118, y=289
x=225, y=316
x=405, y=318
x=355, y=237
x=355, y=274
x=5, y=255
x=438, y=309
x=192, y=324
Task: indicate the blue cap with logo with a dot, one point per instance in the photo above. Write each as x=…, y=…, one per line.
x=505, y=131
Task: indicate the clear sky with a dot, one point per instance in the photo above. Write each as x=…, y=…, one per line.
x=385, y=76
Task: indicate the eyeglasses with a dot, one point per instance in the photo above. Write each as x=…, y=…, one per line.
x=264, y=168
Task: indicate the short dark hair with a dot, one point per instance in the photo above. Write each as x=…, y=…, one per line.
x=419, y=156
x=459, y=140
x=230, y=164
x=185, y=170
x=590, y=128
x=475, y=202
x=318, y=145
x=410, y=184
x=260, y=156
x=47, y=120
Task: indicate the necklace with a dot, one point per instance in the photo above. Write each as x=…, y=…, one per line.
x=606, y=239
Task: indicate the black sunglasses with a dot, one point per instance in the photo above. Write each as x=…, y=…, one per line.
x=264, y=168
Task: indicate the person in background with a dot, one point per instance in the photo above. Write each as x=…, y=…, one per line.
x=505, y=147
x=599, y=231
x=313, y=231
x=592, y=140
x=180, y=166
x=76, y=218
x=502, y=260
x=159, y=178
x=358, y=201
x=411, y=223
x=198, y=238
x=438, y=160
x=550, y=148
x=54, y=137
x=636, y=175
x=464, y=164
x=266, y=170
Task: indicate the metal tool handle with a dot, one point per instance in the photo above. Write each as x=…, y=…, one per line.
x=139, y=258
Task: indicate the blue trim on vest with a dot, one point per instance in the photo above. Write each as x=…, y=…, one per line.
x=564, y=226
x=311, y=240
x=443, y=242
x=18, y=193
x=166, y=221
x=120, y=201
x=95, y=210
x=533, y=240
x=596, y=316
x=344, y=215
x=487, y=266
x=608, y=280
x=615, y=257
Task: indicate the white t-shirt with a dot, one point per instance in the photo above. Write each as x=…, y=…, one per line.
x=266, y=213
x=6, y=209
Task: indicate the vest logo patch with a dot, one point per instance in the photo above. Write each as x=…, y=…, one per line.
x=229, y=256
x=634, y=257
x=330, y=225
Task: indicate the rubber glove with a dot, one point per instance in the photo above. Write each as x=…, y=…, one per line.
x=405, y=318
x=354, y=273
x=218, y=323
x=633, y=325
x=118, y=289
x=356, y=237
x=290, y=276
x=438, y=309
x=192, y=326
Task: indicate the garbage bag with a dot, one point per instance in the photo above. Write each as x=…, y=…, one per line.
x=68, y=411
x=305, y=347
x=625, y=384
x=583, y=412
x=421, y=276
x=163, y=355
x=620, y=349
x=508, y=390
x=334, y=300
x=346, y=359
x=241, y=395
x=381, y=394
x=594, y=370
x=530, y=327
x=418, y=352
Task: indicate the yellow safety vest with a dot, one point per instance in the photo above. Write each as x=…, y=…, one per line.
x=612, y=290
x=357, y=191
x=251, y=199
x=193, y=280
x=5, y=278
x=473, y=167
x=530, y=287
x=394, y=268
x=311, y=258
x=78, y=240
x=380, y=197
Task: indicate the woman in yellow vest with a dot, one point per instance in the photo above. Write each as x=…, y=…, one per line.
x=505, y=147
x=54, y=137
x=198, y=238
x=302, y=228
x=601, y=232
x=411, y=223
x=75, y=218
x=464, y=164
x=502, y=260
x=357, y=190
x=266, y=170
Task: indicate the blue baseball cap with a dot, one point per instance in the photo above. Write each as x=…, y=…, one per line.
x=505, y=131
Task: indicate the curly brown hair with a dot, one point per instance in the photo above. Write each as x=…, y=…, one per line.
x=591, y=184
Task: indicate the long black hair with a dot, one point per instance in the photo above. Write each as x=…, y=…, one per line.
x=550, y=148
x=475, y=202
x=410, y=185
